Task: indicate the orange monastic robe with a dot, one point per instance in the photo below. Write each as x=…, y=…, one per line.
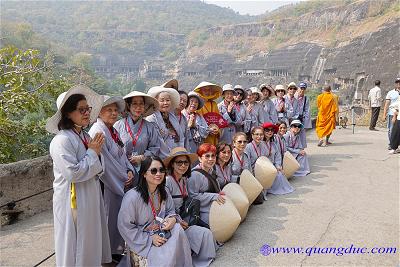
x=327, y=109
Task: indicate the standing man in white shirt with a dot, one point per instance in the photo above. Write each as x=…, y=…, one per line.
x=391, y=97
x=375, y=99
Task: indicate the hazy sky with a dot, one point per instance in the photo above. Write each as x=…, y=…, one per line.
x=252, y=7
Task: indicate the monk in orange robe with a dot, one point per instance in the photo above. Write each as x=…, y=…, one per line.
x=210, y=92
x=326, y=120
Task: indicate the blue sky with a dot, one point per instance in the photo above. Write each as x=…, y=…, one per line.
x=252, y=7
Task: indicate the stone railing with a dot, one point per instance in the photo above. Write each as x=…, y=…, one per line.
x=25, y=178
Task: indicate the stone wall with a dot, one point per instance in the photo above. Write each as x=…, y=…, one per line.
x=23, y=178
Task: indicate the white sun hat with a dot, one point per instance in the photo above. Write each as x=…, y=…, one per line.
x=196, y=95
x=108, y=100
x=93, y=99
x=175, y=97
x=150, y=103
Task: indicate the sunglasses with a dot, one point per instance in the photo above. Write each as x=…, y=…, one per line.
x=209, y=156
x=280, y=91
x=241, y=141
x=84, y=110
x=295, y=126
x=181, y=162
x=269, y=130
x=292, y=88
x=154, y=171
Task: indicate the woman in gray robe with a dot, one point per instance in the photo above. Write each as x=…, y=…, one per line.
x=290, y=99
x=229, y=113
x=148, y=223
x=223, y=167
x=304, y=112
x=200, y=187
x=256, y=148
x=281, y=185
x=139, y=136
x=281, y=105
x=183, y=123
x=201, y=239
x=165, y=120
x=268, y=111
x=279, y=140
x=80, y=228
x=197, y=125
x=118, y=171
x=241, y=95
x=295, y=147
x=253, y=109
x=240, y=160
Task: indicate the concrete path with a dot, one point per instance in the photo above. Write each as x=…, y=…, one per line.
x=351, y=198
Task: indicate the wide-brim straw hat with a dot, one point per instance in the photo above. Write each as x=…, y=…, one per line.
x=196, y=95
x=93, y=99
x=290, y=164
x=216, y=88
x=150, y=103
x=175, y=97
x=224, y=220
x=239, y=87
x=265, y=172
x=180, y=151
x=280, y=87
x=250, y=185
x=228, y=87
x=268, y=87
x=239, y=198
x=171, y=84
x=254, y=90
x=108, y=100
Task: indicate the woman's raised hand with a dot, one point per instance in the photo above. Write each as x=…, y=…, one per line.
x=97, y=143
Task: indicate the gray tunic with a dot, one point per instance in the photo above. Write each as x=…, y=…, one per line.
x=294, y=146
x=167, y=141
x=198, y=188
x=232, y=118
x=147, y=143
x=184, y=126
x=238, y=165
x=282, y=116
x=116, y=166
x=252, y=116
x=201, y=239
x=224, y=175
x=254, y=151
x=198, y=133
x=244, y=124
x=87, y=243
x=293, y=110
x=280, y=144
x=135, y=215
x=267, y=112
x=304, y=112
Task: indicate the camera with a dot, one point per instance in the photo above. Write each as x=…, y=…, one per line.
x=163, y=233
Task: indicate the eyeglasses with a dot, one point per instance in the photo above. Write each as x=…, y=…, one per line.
x=241, y=141
x=154, y=171
x=258, y=134
x=209, y=156
x=269, y=130
x=84, y=110
x=181, y=162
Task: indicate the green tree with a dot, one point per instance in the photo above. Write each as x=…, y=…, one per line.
x=28, y=89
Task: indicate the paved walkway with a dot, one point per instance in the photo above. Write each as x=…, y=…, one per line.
x=351, y=198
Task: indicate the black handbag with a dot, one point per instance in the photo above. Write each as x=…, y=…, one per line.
x=191, y=210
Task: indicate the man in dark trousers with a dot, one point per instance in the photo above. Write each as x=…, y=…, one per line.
x=375, y=99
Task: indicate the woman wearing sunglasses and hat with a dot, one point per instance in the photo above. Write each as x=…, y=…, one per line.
x=281, y=105
x=167, y=123
x=80, y=227
x=118, y=171
x=239, y=98
x=295, y=147
x=201, y=239
x=229, y=113
x=281, y=185
x=148, y=222
x=139, y=136
x=198, y=127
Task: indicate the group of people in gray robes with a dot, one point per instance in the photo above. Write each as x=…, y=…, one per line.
x=96, y=173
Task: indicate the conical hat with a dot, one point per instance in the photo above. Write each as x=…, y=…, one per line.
x=290, y=164
x=239, y=198
x=251, y=186
x=265, y=172
x=171, y=84
x=224, y=220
